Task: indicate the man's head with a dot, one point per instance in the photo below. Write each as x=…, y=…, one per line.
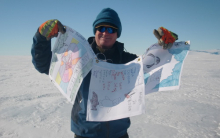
x=107, y=28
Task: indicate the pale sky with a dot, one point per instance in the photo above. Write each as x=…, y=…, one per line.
x=194, y=20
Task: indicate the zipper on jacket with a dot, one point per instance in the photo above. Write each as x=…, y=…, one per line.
x=107, y=126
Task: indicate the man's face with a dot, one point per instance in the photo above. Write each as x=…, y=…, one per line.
x=105, y=40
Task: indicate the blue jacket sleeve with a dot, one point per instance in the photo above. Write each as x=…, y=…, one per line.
x=41, y=53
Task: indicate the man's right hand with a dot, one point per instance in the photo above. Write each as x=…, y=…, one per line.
x=50, y=28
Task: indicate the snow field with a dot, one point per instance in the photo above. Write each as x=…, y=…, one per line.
x=32, y=107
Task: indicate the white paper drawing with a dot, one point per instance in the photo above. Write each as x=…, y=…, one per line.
x=162, y=68
x=116, y=91
x=71, y=61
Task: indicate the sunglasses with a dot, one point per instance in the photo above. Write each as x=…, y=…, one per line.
x=109, y=29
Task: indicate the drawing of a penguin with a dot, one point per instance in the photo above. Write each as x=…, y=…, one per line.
x=94, y=101
x=155, y=60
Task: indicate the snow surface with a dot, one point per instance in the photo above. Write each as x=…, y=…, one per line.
x=32, y=107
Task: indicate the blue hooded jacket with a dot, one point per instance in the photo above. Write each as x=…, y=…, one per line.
x=41, y=57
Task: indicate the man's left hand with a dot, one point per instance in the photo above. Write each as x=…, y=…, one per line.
x=165, y=37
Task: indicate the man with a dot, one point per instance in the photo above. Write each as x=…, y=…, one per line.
x=107, y=28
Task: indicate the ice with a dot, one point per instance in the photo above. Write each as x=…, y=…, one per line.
x=32, y=107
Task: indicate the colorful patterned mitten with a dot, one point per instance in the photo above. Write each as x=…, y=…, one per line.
x=50, y=28
x=165, y=37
